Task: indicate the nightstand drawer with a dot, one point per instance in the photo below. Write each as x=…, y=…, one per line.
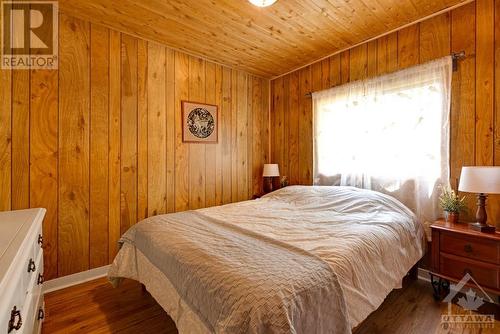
x=486, y=275
x=470, y=247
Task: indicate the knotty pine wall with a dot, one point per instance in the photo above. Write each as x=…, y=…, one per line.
x=99, y=142
x=475, y=110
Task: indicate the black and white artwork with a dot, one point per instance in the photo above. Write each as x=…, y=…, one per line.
x=199, y=122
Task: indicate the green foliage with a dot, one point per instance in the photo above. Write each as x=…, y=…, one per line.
x=450, y=201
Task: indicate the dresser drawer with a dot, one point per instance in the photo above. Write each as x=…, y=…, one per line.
x=486, y=275
x=470, y=247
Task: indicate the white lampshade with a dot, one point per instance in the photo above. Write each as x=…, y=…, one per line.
x=262, y=3
x=480, y=180
x=271, y=170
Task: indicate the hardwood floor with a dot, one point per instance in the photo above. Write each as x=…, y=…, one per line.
x=95, y=307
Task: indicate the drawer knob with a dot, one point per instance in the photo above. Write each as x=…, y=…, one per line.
x=468, y=248
x=31, y=266
x=15, y=321
x=40, y=240
x=40, y=279
x=41, y=314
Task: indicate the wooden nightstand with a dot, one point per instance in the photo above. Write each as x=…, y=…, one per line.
x=458, y=250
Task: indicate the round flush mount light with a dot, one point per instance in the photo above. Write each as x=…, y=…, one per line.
x=262, y=3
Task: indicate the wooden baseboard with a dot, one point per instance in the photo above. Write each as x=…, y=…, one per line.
x=423, y=274
x=74, y=279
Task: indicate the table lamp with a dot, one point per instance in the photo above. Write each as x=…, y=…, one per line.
x=482, y=180
x=270, y=171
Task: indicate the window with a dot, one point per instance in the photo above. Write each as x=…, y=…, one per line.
x=389, y=134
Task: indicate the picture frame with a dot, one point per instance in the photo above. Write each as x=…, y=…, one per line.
x=200, y=122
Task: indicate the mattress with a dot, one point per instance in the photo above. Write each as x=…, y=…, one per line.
x=299, y=260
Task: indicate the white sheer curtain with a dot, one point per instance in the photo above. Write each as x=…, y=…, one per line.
x=389, y=134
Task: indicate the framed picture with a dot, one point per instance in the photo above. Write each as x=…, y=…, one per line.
x=199, y=122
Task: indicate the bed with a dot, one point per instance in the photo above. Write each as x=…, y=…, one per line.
x=303, y=259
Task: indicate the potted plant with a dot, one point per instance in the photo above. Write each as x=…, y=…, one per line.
x=451, y=204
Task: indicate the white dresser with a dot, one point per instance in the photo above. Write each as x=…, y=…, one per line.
x=21, y=271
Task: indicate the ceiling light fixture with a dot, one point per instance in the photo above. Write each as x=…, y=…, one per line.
x=262, y=3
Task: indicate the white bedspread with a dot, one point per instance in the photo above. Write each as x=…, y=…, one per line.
x=368, y=240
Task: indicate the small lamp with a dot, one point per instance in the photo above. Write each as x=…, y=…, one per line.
x=482, y=180
x=270, y=171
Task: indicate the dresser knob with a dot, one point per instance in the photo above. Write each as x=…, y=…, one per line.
x=40, y=279
x=468, y=248
x=31, y=266
x=15, y=321
x=41, y=314
x=40, y=240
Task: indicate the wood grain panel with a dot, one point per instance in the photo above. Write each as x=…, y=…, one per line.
x=99, y=162
x=157, y=131
x=142, y=130
x=435, y=38
x=20, y=139
x=99, y=141
x=408, y=46
x=114, y=124
x=43, y=158
x=387, y=53
x=5, y=138
x=74, y=87
x=171, y=110
x=210, y=149
x=462, y=117
x=358, y=63
x=226, y=123
x=181, y=150
x=305, y=128
x=197, y=178
x=128, y=173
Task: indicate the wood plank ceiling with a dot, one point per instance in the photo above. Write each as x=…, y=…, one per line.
x=263, y=41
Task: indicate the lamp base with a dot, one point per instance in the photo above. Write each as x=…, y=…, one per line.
x=485, y=228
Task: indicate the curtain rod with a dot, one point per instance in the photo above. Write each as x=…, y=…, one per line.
x=455, y=57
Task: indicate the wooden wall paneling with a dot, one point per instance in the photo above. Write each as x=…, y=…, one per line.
x=5, y=138
x=128, y=171
x=249, y=138
x=242, y=134
x=258, y=145
x=99, y=162
x=210, y=149
x=277, y=123
x=181, y=149
x=142, y=129
x=43, y=159
x=335, y=75
x=219, y=176
x=358, y=63
x=171, y=103
x=293, y=124
x=114, y=139
x=74, y=88
x=197, y=156
x=462, y=118
x=234, y=135
x=157, y=131
x=372, y=60
x=387, y=53
x=485, y=22
x=266, y=97
x=325, y=73
x=305, y=130
x=408, y=46
x=20, y=138
x=226, y=122
x=435, y=38
x=497, y=84
x=345, y=58
x=284, y=165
